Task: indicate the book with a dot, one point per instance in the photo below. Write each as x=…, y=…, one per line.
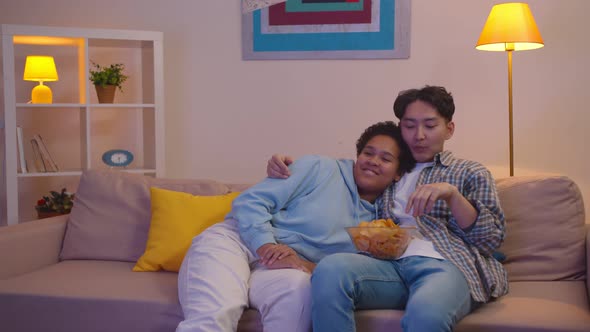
x=21, y=150
x=50, y=164
x=39, y=162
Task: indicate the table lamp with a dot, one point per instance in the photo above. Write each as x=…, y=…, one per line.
x=510, y=27
x=40, y=68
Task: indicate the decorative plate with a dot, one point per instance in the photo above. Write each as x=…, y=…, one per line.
x=117, y=158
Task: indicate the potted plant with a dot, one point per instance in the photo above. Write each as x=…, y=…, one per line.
x=55, y=204
x=106, y=80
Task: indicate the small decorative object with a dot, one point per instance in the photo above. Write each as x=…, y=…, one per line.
x=117, y=158
x=40, y=68
x=106, y=80
x=57, y=203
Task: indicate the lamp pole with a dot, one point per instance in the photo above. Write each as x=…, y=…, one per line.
x=510, y=49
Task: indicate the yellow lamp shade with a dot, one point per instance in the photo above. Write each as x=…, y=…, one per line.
x=40, y=68
x=510, y=27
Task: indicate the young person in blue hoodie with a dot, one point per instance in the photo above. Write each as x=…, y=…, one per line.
x=278, y=230
x=453, y=202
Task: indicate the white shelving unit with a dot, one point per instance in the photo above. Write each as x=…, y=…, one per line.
x=75, y=127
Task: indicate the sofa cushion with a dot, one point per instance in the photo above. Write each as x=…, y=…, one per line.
x=177, y=217
x=533, y=306
x=545, y=234
x=96, y=296
x=111, y=214
x=529, y=307
x=91, y=296
x=106, y=296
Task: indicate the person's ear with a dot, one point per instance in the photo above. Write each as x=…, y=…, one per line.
x=450, y=130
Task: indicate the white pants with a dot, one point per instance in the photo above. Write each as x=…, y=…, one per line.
x=215, y=282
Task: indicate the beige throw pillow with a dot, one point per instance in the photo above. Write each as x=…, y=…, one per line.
x=111, y=215
x=545, y=230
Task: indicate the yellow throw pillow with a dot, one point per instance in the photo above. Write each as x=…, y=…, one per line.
x=177, y=217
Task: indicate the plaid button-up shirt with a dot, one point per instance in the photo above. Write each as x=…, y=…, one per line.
x=469, y=250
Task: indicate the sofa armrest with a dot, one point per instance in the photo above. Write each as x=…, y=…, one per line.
x=31, y=245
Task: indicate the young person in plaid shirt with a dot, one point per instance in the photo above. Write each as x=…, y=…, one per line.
x=450, y=270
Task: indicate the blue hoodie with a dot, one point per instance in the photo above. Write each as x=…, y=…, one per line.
x=307, y=211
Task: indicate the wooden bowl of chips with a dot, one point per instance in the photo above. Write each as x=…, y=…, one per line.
x=381, y=239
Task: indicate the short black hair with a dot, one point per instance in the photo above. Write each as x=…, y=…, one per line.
x=388, y=128
x=437, y=96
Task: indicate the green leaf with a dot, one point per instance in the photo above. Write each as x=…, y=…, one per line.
x=111, y=75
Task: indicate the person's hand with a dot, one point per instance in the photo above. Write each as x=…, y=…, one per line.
x=293, y=262
x=422, y=200
x=270, y=252
x=277, y=166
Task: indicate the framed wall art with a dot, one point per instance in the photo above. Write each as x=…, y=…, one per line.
x=326, y=29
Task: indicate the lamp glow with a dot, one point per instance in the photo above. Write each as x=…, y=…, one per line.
x=40, y=68
x=510, y=27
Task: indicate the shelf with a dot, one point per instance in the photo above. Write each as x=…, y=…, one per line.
x=76, y=130
x=78, y=173
x=62, y=173
x=62, y=105
x=140, y=170
x=121, y=105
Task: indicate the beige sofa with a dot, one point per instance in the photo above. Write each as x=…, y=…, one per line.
x=73, y=273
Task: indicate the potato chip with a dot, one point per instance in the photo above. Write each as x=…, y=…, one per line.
x=362, y=242
x=364, y=224
x=381, y=238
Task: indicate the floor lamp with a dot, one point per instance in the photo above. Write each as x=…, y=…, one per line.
x=510, y=27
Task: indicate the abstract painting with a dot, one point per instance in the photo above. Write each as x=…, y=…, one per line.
x=325, y=29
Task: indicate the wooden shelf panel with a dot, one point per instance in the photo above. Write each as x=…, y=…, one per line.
x=79, y=172
x=62, y=105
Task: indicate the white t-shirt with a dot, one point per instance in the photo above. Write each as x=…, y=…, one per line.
x=403, y=189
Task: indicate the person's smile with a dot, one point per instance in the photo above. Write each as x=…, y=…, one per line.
x=371, y=171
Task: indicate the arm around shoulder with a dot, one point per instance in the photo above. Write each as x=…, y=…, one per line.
x=277, y=166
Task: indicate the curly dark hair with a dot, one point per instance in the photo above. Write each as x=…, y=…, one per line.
x=437, y=96
x=388, y=128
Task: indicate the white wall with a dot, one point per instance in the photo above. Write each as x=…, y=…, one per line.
x=225, y=116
